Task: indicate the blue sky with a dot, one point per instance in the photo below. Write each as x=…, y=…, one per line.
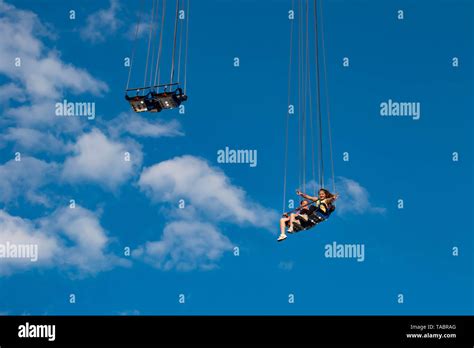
x=407, y=251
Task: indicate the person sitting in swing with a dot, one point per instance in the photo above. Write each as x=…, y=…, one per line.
x=323, y=203
x=300, y=215
x=302, y=219
x=323, y=207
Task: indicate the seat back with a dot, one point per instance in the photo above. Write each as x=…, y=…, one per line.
x=138, y=104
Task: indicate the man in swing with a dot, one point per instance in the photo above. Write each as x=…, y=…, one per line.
x=322, y=209
x=289, y=220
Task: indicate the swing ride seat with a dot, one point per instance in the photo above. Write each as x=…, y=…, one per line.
x=155, y=102
x=166, y=100
x=314, y=219
x=154, y=97
x=138, y=103
x=306, y=225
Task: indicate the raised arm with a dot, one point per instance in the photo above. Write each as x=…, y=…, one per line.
x=305, y=196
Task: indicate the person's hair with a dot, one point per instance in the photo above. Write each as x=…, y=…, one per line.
x=328, y=194
x=304, y=200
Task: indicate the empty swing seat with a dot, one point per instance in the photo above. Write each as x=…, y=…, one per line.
x=138, y=103
x=167, y=100
x=155, y=102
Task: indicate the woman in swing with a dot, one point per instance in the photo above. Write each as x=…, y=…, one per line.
x=322, y=208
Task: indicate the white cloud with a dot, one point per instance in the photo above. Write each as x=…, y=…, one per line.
x=187, y=243
x=35, y=141
x=204, y=187
x=37, y=115
x=70, y=239
x=101, y=160
x=136, y=125
x=42, y=78
x=185, y=246
x=102, y=23
x=42, y=73
x=41, y=116
x=354, y=198
x=82, y=228
x=143, y=28
x=193, y=240
x=47, y=76
x=11, y=91
x=20, y=231
x=26, y=178
x=18, y=27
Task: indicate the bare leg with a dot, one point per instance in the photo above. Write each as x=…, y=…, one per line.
x=283, y=222
x=292, y=221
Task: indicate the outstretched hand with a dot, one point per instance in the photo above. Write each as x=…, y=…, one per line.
x=298, y=192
